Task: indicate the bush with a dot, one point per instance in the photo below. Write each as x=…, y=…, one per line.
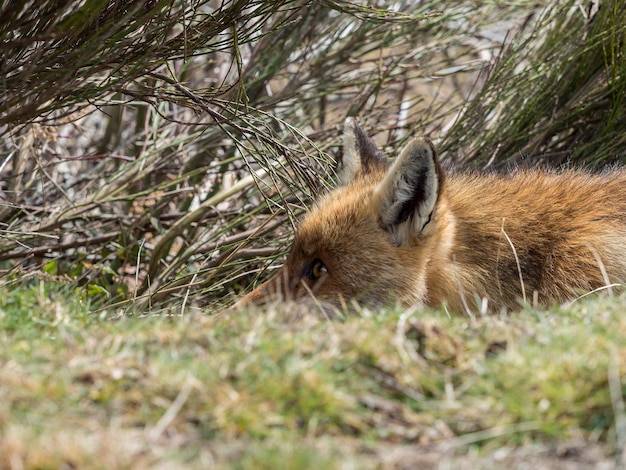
x=159, y=153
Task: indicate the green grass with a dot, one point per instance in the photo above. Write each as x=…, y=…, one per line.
x=285, y=387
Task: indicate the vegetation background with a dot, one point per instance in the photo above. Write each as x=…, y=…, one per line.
x=154, y=158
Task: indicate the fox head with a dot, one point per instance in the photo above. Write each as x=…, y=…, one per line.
x=371, y=238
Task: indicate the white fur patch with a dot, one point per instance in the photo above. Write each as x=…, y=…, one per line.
x=351, y=160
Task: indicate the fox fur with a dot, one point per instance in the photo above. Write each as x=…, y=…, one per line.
x=406, y=233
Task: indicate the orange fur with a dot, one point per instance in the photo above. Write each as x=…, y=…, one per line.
x=549, y=236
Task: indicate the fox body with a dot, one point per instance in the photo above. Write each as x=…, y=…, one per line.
x=406, y=233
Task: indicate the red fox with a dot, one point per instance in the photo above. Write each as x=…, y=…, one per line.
x=407, y=233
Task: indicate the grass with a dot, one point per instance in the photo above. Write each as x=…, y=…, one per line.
x=257, y=389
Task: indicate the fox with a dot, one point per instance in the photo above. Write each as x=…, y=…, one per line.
x=406, y=233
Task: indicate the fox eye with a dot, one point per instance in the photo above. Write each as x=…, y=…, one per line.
x=315, y=270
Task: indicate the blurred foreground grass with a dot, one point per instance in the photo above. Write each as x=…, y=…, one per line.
x=286, y=388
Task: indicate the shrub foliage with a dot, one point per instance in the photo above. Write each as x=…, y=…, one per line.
x=158, y=152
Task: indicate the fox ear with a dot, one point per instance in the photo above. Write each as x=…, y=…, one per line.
x=408, y=194
x=360, y=155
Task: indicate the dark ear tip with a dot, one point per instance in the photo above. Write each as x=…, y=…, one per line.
x=433, y=149
x=421, y=147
